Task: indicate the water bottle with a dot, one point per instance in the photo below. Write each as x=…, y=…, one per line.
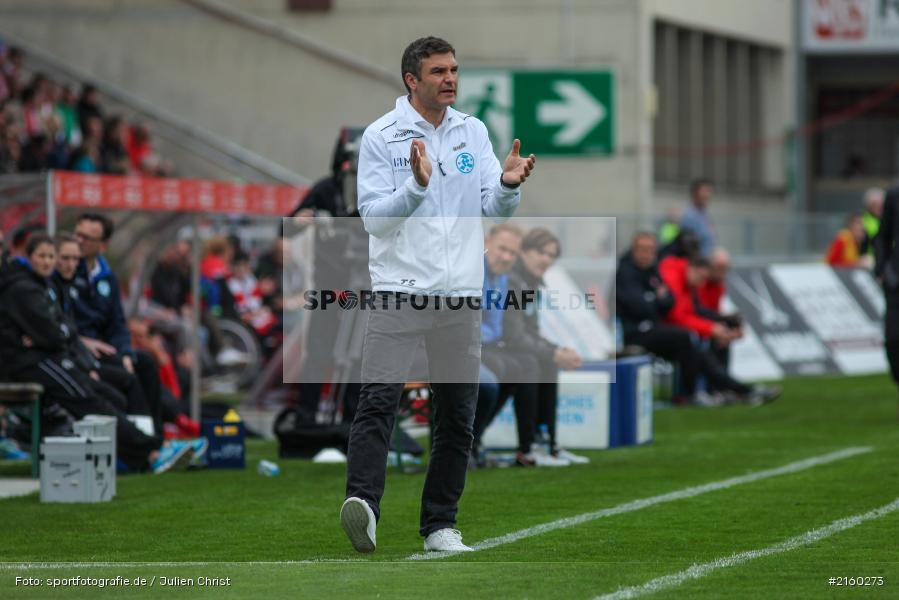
x=543, y=440
x=268, y=468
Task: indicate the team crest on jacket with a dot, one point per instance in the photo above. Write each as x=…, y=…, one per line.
x=465, y=162
x=103, y=288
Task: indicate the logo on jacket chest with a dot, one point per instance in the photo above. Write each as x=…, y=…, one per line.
x=103, y=288
x=465, y=163
x=401, y=164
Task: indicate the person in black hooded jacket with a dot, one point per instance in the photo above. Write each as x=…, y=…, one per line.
x=35, y=342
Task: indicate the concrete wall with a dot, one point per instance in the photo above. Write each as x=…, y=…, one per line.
x=287, y=104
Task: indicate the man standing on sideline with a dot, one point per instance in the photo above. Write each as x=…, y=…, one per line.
x=886, y=270
x=427, y=174
x=696, y=217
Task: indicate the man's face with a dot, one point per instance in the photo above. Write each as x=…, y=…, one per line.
x=703, y=195
x=439, y=81
x=502, y=248
x=643, y=251
x=90, y=237
x=719, y=269
x=697, y=276
x=67, y=260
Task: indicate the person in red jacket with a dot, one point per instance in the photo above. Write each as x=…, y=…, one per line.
x=844, y=249
x=684, y=277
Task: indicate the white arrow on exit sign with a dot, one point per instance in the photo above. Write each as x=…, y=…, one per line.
x=578, y=112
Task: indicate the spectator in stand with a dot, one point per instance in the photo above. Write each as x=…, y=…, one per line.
x=31, y=111
x=12, y=69
x=844, y=250
x=643, y=301
x=86, y=158
x=36, y=155
x=89, y=107
x=244, y=288
x=10, y=145
x=142, y=157
x=34, y=344
x=5, y=92
x=696, y=218
x=67, y=109
x=114, y=156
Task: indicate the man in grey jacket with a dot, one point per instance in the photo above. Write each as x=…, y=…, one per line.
x=426, y=176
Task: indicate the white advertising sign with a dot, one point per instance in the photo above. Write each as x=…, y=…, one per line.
x=830, y=311
x=850, y=25
x=582, y=417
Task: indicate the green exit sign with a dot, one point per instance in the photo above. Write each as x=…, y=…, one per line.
x=555, y=113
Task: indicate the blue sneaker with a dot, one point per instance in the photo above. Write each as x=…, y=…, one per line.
x=9, y=451
x=174, y=454
x=199, y=446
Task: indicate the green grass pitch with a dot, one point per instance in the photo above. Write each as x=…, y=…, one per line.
x=235, y=519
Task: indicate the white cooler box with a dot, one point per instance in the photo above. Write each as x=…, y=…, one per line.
x=98, y=426
x=77, y=469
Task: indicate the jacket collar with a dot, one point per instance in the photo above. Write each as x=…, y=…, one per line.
x=409, y=118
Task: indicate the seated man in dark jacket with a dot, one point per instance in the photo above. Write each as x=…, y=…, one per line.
x=643, y=302
x=101, y=319
x=36, y=342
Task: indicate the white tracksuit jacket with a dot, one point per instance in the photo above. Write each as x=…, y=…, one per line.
x=429, y=240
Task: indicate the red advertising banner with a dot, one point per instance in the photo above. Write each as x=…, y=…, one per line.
x=173, y=195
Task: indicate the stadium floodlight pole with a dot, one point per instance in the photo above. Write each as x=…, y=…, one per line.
x=51, y=204
x=195, y=318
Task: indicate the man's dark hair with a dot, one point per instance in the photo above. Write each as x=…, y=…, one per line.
x=108, y=227
x=698, y=183
x=539, y=238
x=36, y=240
x=419, y=50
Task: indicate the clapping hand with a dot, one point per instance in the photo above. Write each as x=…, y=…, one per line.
x=420, y=163
x=517, y=168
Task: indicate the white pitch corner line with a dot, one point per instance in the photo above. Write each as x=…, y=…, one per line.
x=634, y=505
x=697, y=571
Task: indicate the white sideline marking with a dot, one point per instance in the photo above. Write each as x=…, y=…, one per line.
x=697, y=571
x=689, y=492
x=20, y=566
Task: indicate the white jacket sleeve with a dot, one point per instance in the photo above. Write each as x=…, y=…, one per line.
x=382, y=207
x=497, y=201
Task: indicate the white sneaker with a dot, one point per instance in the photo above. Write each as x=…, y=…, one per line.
x=446, y=540
x=541, y=459
x=707, y=400
x=574, y=459
x=229, y=357
x=358, y=522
